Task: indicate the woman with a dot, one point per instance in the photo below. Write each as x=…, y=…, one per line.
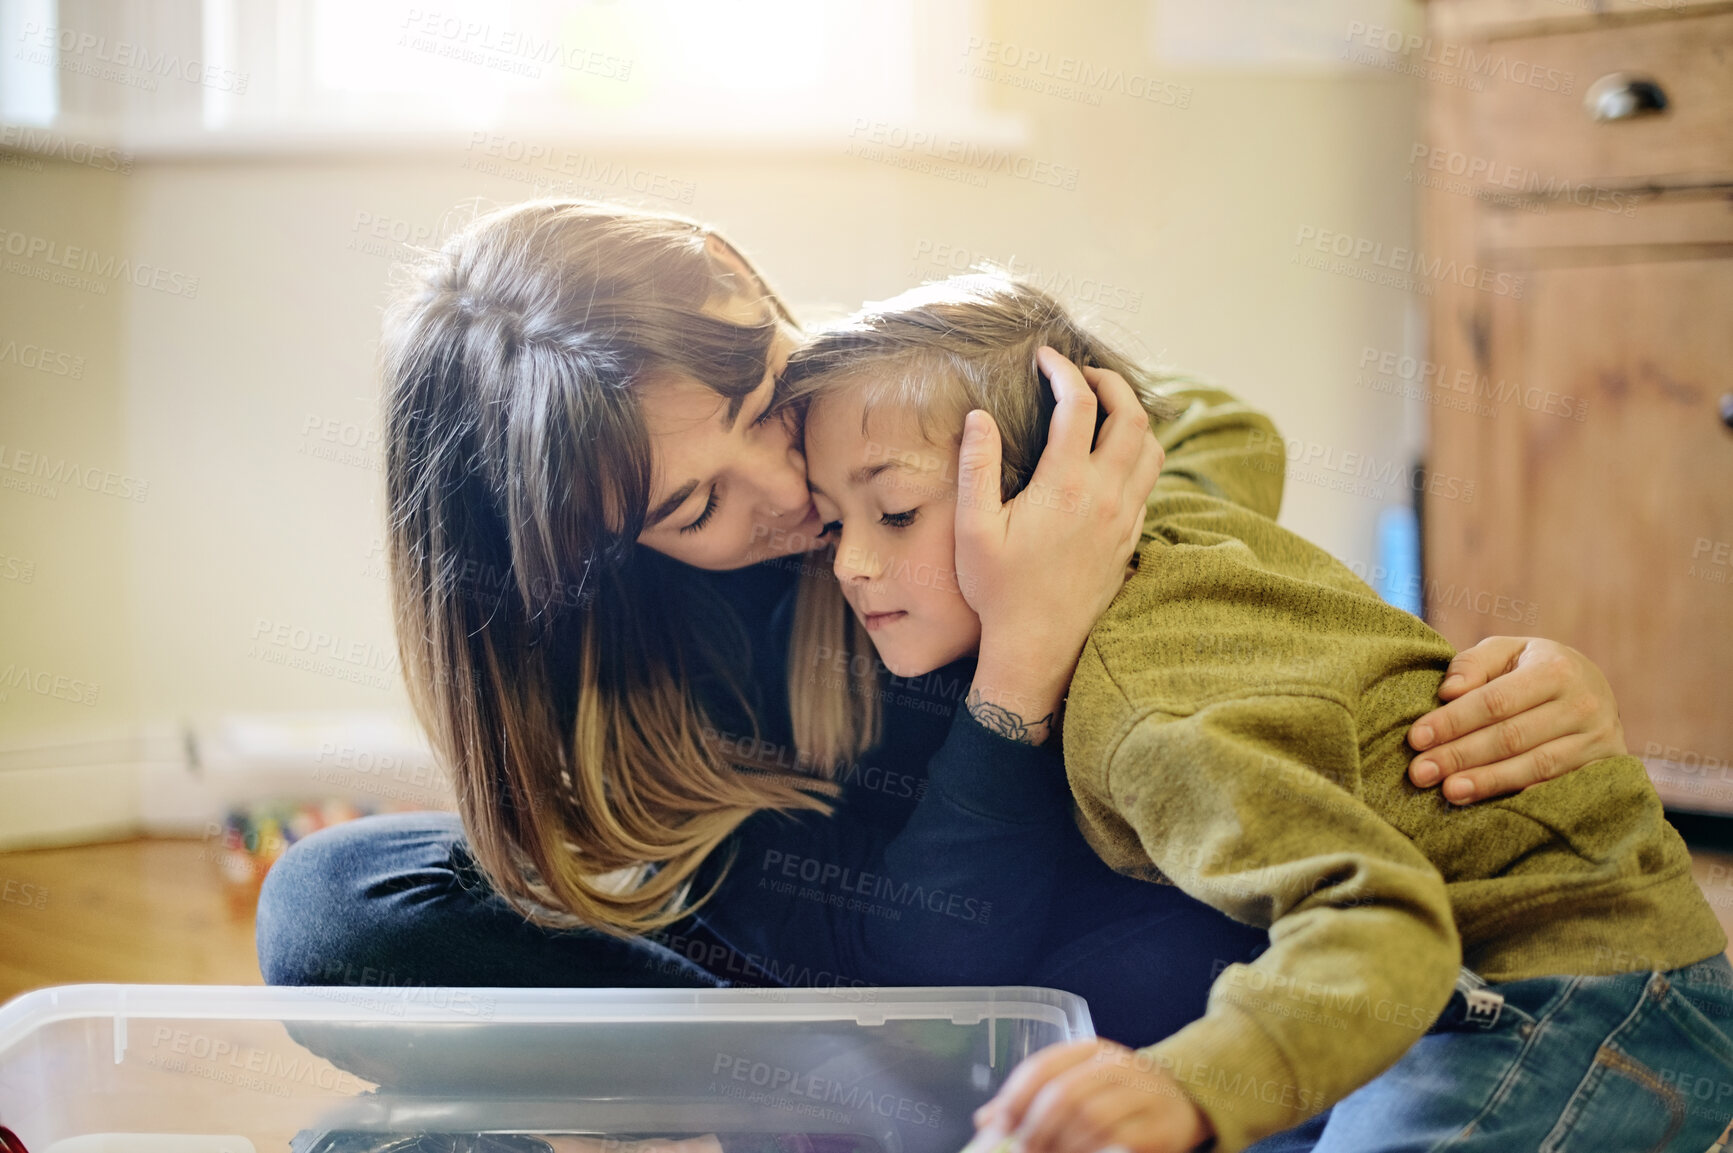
x=596, y=526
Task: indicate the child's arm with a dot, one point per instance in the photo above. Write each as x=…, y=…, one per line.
x=1551, y=711
x=1235, y=803
x=1223, y=447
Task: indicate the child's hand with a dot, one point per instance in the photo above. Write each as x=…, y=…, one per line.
x=1088, y=1096
x=705, y=1144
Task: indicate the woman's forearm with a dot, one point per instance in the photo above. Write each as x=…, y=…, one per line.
x=1019, y=693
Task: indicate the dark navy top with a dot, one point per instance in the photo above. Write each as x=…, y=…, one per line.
x=952, y=857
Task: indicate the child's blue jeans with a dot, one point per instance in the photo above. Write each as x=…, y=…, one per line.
x=1634, y=1062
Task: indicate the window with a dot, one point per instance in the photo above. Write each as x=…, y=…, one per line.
x=692, y=72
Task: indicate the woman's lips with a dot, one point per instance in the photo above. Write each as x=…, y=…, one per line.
x=778, y=536
x=876, y=621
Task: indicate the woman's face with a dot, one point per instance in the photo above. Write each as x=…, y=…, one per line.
x=725, y=494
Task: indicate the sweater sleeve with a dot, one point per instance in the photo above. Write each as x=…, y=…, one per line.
x=1248, y=805
x=957, y=896
x=1222, y=447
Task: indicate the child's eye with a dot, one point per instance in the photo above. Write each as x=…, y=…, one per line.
x=898, y=519
x=830, y=526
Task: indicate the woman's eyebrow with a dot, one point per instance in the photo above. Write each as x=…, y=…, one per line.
x=684, y=493
x=666, y=509
x=738, y=403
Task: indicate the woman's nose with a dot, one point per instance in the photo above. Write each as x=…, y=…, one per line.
x=781, y=473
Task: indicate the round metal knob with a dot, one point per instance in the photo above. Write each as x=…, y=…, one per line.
x=1621, y=96
x=1727, y=409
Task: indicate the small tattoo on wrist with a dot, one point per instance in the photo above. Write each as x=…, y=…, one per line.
x=1008, y=724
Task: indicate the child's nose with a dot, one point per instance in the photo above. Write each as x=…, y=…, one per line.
x=854, y=563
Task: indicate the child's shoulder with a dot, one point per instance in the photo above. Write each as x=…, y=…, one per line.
x=1210, y=532
x=1224, y=600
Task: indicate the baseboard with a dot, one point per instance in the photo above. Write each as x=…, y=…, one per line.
x=74, y=790
x=172, y=779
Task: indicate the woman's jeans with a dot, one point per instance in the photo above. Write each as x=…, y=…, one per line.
x=397, y=901
x=1633, y=1062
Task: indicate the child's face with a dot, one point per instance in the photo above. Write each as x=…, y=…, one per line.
x=894, y=494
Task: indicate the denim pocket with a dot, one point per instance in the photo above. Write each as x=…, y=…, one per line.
x=1661, y=1081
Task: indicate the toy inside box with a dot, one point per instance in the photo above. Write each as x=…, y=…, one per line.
x=219, y=1069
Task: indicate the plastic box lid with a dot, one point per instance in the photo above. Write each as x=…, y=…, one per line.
x=225, y=1069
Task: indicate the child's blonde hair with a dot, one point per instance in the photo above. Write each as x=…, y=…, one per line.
x=936, y=351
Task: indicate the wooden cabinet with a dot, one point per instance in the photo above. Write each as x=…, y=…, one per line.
x=1583, y=376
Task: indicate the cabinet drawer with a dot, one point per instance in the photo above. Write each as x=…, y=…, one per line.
x=1703, y=221
x=1547, y=143
x=1465, y=19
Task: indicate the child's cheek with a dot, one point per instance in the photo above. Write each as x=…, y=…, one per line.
x=947, y=597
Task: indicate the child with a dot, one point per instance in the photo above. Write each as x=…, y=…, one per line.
x=1236, y=727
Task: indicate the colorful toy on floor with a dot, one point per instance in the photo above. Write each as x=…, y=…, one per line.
x=254, y=836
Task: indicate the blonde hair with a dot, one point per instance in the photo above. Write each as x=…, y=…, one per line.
x=937, y=351
x=550, y=658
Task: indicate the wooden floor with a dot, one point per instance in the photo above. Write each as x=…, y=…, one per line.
x=142, y=912
x=157, y=912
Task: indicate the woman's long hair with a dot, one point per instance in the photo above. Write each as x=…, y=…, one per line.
x=552, y=660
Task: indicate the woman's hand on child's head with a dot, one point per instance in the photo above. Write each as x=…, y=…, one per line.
x=1040, y=568
x=1088, y=1096
x=1522, y=710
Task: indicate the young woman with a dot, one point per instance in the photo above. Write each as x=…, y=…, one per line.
x=596, y=526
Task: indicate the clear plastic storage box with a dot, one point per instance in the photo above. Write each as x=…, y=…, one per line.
x=212, y=1069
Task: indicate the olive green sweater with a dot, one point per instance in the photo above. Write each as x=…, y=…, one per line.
x=1237, y=726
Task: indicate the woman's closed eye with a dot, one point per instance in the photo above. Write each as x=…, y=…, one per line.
x=763, y=418
x=704, y=517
